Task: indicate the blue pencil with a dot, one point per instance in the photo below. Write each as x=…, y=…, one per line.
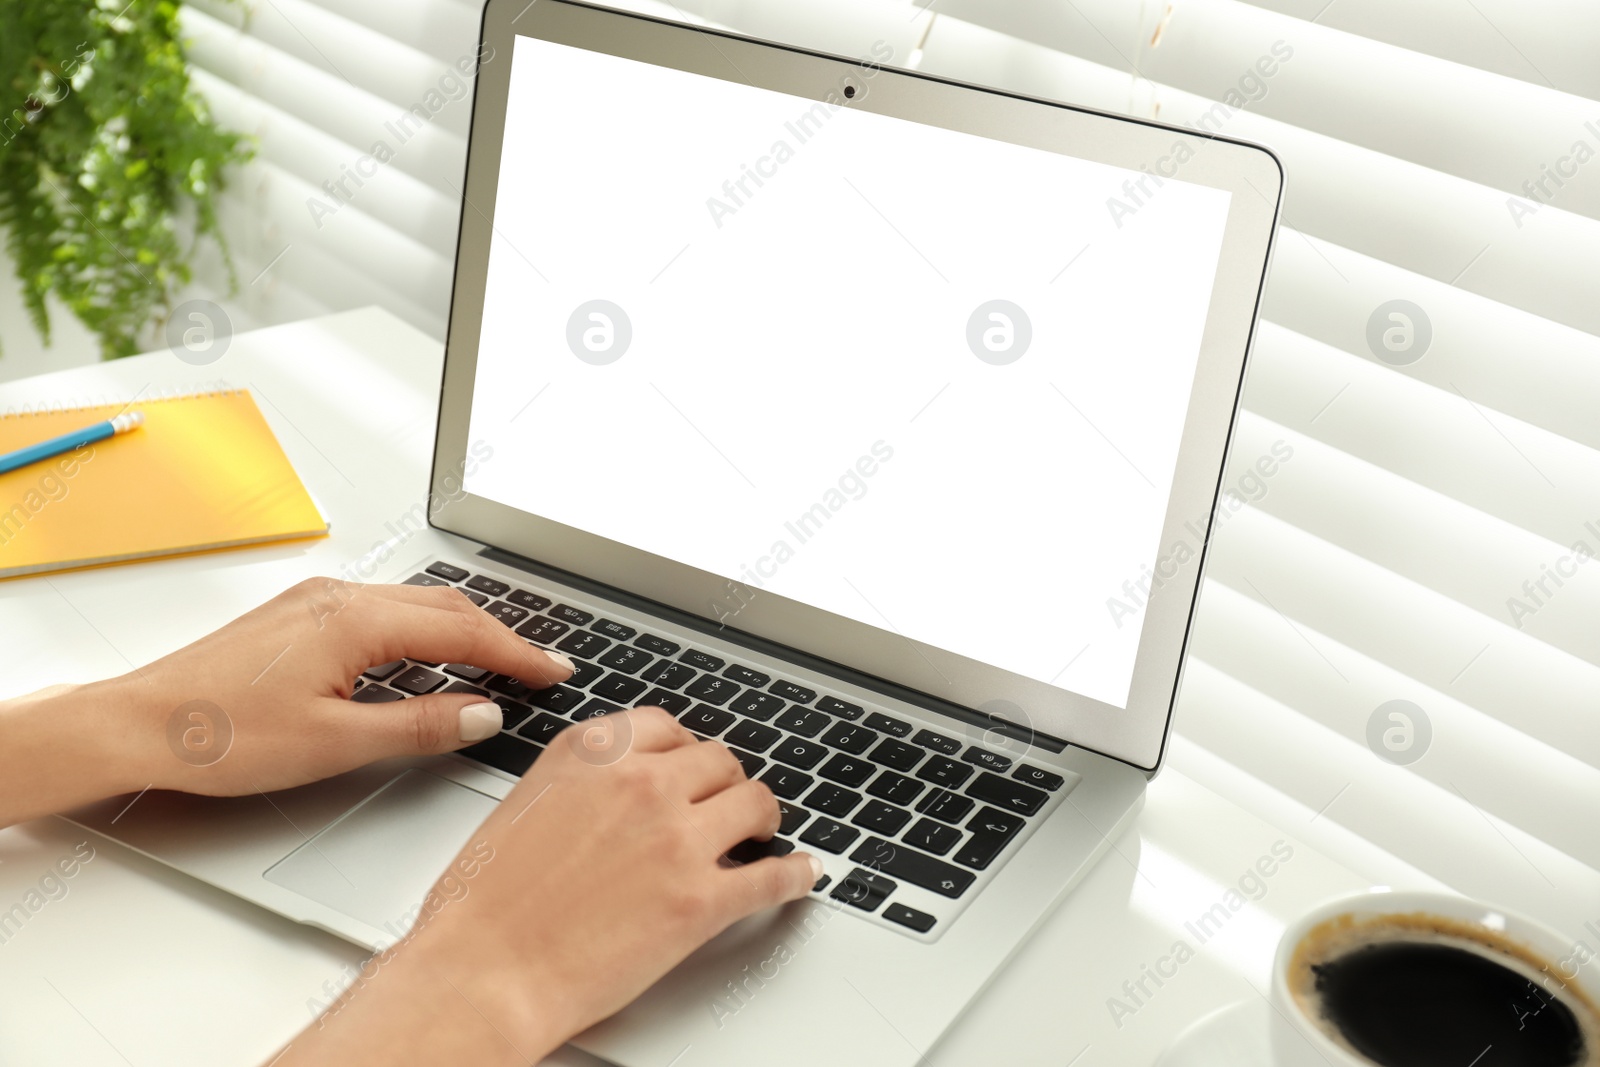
x=68, y=441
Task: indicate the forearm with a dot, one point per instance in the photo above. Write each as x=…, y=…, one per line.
x=66, y=746
x=415, y=1005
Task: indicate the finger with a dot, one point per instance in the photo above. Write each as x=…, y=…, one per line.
x=744, y=811
x=425, y=725
x=441, y=626
x=766, y=883
x=653, y=729
x=701, y=770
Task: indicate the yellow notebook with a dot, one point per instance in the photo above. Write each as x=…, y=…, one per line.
x=203, y=472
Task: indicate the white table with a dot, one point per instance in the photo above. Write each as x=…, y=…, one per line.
x=139, y=965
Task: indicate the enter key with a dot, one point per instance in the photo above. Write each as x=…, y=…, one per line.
x=991, y=830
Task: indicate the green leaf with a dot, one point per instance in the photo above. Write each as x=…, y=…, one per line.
x=107, y=156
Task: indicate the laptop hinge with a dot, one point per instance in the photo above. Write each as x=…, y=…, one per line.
x=781, y=651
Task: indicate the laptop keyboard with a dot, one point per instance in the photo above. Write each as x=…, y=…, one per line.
x=885, y=802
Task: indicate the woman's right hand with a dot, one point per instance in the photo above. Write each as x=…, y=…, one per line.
x=595, y=877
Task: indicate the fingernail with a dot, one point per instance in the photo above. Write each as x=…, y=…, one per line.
x=479, y=721
x=816, y=868
x=561, y=660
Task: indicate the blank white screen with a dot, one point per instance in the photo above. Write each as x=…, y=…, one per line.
x=786, y=335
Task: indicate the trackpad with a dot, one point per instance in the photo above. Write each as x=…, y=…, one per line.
x=378, y=860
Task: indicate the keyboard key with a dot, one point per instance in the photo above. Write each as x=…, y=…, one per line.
x=594, y=709
x=478, y=599
x=625, y=658
x=704, y=660
x=835, y=706
x=787, y=783
x=992, y=829
x=583, y=643
x=791, y=818
x=618, y=687
x=524, y=599
x=460, y=670
x=567, y=613
x=895, y=787
x=383, y=670
x=509, y=614
x=375, y=694
x=449, y=572
x=802, y=721
x=864, y=890
x=704, y=719
x=832, y=800
x=756, y=705
x=484, y=584
x=542, y=727
x=667, y=675
x=752, y=735
x=659, y=645
x=512, y=714
x=585, y=674
x=417, y=680
x=881, y=818
x=995, y=821
x=833, y=836
x=676, y=703
x=946, y=772
x=750, y=851
x=945, y=806
x=847, y=770
x=542, y=629
x=424, y=579
x=505, y=752
x=933, y=837
x=852, y=739
x=914, y=867
x=745, y=676
x=751, y=762
x=798, y=753
x=984, y=758
x=464, y=687
x=1006, y=794
x=822, y=883
x=897, y=754
x=920, y=921
x=557, y=698
x=711, y=689
x=511, y=687
x=1035, y=776
x=878, y=721
x=938, y=742
x=798, y=694
x=614, y=630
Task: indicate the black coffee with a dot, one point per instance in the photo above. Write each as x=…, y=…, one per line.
x=1428, y=1004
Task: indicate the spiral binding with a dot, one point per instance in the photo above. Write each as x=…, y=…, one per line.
x=156, y=396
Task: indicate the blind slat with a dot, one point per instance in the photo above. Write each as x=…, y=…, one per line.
x=1549, y=43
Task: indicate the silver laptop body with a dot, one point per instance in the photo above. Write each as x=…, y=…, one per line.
x=986, y=597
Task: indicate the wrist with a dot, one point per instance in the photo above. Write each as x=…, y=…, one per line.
x=65, y=746
x=526, y=1007
x=421, y=1003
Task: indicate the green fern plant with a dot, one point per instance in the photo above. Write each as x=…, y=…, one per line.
x=107, y=157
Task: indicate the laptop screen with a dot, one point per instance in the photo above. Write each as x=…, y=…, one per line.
x=924, y=380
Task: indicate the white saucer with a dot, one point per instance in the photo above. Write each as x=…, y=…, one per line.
x=1238, y=1035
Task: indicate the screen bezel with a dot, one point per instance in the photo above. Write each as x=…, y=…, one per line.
x=1136, y=734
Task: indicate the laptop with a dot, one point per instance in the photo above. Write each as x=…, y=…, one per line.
x=868, y=422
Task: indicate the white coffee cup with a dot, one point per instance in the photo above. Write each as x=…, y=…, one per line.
x=1300, y=1041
